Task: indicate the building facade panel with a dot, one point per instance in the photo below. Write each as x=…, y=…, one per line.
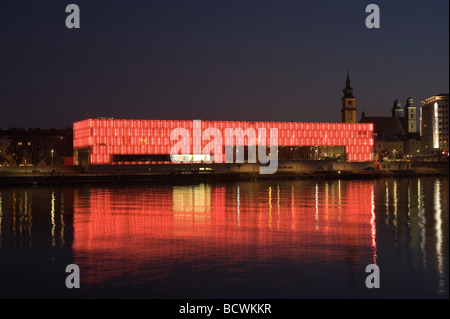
x=104, y=141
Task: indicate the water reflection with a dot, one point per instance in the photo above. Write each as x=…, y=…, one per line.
x=26, y=212
x=438, y=232
x=1, y=215
x=250, y=239
x=246, y=222
x=415, y=207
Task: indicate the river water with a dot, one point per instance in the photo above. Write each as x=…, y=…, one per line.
x=264, y=239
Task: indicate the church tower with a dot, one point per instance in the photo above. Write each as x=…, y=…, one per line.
x=410, y=119
x=397, y=110
x=348, y=103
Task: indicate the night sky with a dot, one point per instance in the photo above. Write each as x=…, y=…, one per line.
x=261, y=60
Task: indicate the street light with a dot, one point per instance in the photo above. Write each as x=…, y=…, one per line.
x=52, y=156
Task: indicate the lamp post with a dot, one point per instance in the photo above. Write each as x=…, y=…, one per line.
x=52, y=156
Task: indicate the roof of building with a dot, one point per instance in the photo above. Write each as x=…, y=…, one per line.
x=348, y=91
x=385, y=127
x=439, y=97
x=384, y=123
x=409, y=102
x=397, y=104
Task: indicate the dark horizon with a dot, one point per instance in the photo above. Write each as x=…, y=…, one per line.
x=211, y=60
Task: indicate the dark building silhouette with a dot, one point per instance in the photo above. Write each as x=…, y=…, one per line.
x=348, y=103
x=35, y=146
x=396, y=136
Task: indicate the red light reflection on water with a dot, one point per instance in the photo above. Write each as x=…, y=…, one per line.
x=144, y=230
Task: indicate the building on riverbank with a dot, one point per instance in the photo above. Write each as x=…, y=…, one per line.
x=434, y=124
x=136, y=142
x=396, y=136
x=35, y=146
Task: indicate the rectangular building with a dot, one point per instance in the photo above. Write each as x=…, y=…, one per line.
x=434, y=122
x=126, y=141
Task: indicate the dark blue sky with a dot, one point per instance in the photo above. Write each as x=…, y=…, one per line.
x=263, y=60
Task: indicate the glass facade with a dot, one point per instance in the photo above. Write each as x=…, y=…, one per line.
x=124, y=141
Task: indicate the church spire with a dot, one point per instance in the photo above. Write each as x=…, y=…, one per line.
x=348, y=103
x=348, y=91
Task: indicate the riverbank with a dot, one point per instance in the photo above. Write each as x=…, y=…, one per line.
x=196, y=177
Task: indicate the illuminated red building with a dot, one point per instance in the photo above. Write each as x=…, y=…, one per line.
x=122, y=141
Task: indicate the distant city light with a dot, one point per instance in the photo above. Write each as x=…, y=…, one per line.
x=436, y=126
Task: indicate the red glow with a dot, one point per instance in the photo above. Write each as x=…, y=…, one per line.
x=108, y=137
x=183, y=223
